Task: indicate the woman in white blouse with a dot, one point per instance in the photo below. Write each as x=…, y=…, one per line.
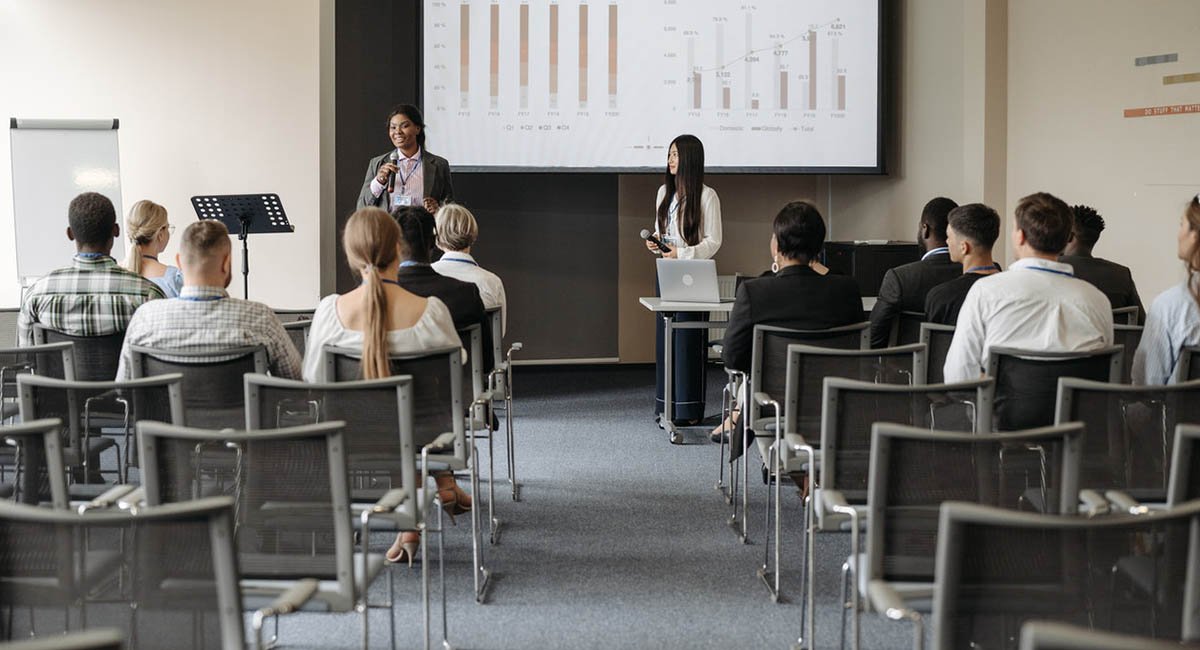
x=380, y=317
x=688, y=221
x=1174, y=319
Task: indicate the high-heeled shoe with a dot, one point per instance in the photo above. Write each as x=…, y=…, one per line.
x=404, y=548
x=453, y=499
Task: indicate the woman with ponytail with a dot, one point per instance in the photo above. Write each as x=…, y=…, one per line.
x=149, y=231
x=380, y=317
x=1174, y=319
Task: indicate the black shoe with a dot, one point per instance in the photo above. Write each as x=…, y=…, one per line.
x=719, y=437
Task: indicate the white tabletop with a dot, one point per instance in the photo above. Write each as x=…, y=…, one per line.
x=657, y=304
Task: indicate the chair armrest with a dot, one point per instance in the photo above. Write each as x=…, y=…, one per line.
x=1125, y=503
x=762, y=399
x=390, y=500
x=485, y=398
x=287, y=602
x=885, y=599
x=835, y=501
x=109, y=499
x=717, y=347
x=132, y=500
x=444, y=442
x=1092, y=504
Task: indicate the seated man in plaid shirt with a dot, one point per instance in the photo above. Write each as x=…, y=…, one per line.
x=204, y=318
x=94, y=296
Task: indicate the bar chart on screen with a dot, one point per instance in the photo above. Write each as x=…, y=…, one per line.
x=606, y=83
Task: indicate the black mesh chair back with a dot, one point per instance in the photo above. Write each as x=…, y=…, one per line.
x=438, y=400
x=99, y=639
x=1132, y=574
x=88, y=409
x=8, y=326
x=1130, y=432
x=914, y=470
x=289, y=487
x=1184, y=484
x=1188, y=367
x=378, y=424
x=297, y=331
x=163, y=575
x=906, y=328
x=40, y=476
x=213, y=393
x=55, y=360
x=808, y=366
x=96, y=357
x=1129, y=337
x=286, y=316
x=769, y=354
x=1126, y=315
x=852, y=407
x=937, y=340
x=1027, y=381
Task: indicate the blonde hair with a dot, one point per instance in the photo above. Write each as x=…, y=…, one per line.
x=371, y=240
x=456, y=227
x=1192, y=214
x=145, y=219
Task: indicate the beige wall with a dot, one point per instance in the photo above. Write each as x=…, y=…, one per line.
x=1071, y=75
x=218, y=97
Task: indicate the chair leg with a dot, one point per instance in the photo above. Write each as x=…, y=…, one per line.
x=493, y=522
x=442, y=579
x=805, y=632
x=511, y=448
x=480, y=572
x=771, y=577
x=843, y=605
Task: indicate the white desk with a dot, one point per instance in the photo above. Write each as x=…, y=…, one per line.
x=659, y=306
x=668, y=309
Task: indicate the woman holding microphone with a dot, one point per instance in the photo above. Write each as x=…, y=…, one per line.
x=408, y=174
x=689, y=223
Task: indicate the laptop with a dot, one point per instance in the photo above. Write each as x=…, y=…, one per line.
x=688, y=281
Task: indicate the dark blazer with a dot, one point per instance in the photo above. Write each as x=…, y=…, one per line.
x=1112, y=279
x=904, y=289
x=944, y=301
x=434, y=168
x=461, y=298
x=798, y=298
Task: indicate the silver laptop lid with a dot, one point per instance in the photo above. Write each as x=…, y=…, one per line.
x=688, y=280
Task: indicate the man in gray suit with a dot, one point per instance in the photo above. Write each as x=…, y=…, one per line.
x=1112, y=279
x=407, y=174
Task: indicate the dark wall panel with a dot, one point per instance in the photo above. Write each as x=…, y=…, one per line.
x=551, y=237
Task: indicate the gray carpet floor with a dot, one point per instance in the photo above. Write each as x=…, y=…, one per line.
x=619, y=541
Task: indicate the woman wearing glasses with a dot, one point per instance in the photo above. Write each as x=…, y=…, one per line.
x=407, y=174
x=149, y=233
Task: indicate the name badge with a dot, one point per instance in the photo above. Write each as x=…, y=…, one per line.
x=399, y=200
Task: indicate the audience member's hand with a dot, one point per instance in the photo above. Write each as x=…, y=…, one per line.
x=431, y=205
x=384, y=171
x=820, y=268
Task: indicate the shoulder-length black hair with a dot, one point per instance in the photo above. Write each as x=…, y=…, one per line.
x=414, y=115
x=689, y=182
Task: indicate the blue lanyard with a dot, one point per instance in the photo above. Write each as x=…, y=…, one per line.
x=989, y=267
x=91, y=256
x=410, y=263
x=411, y=171
x=201, y=298
x=1046, y=270
x=460, y=261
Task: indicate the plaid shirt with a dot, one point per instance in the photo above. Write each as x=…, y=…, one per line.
x=206, y=319
x=92, y=297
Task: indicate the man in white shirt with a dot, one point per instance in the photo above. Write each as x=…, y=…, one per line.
x=1038, y=304
x=456, y=233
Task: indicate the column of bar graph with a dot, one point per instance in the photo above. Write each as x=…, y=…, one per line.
x=554, y=56
x=693, y=84
x=524, y=53
x=494, y=63
x=464, y=54
x=583, y=55
x=612, y=56
x=719, y=88
x=812, y=70
x=748, y=75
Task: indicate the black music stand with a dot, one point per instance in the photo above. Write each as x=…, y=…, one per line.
x=244, y=214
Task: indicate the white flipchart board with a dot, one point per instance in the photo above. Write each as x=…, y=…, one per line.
x=53, y=161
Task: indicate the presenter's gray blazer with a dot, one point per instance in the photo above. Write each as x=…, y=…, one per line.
x=434, y=168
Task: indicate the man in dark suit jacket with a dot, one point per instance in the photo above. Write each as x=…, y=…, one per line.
x=1112, y=279
x=406, y=129
x=973, y=230
x=417, y=276
x=904, y=288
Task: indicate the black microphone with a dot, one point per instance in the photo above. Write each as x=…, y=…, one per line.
x=649, y=236
x=391, y=180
